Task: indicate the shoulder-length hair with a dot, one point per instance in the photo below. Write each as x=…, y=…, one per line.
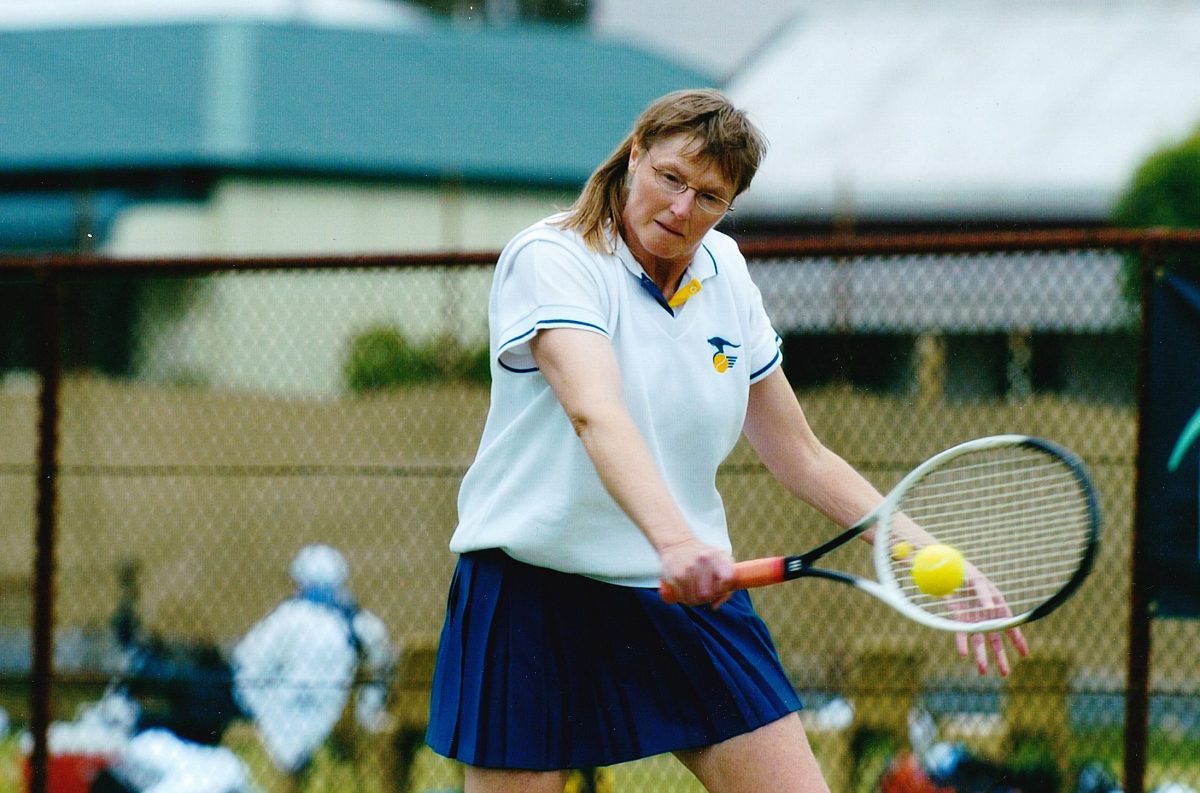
x=724, y=135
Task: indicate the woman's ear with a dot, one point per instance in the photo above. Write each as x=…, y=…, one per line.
x=635, y=154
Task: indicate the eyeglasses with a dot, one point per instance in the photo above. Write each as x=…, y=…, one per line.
x=672, y=182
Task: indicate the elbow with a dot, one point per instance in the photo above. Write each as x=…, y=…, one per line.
x=813, y=451
x=579, y=423
x=586, y=420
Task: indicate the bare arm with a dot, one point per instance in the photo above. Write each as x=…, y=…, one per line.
x=582, y=370
x=779, y=432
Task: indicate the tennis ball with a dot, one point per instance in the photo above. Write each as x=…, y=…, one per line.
x=938, y=570
x=902, y=550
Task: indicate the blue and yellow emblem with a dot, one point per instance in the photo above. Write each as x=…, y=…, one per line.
x=723, y=361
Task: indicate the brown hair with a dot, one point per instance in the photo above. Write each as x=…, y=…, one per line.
x=724, y=136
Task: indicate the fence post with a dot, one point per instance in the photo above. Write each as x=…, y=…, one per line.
x=1137, y=693
x=883, y=684
x=931, y=368
x=1036, y=707
x=412, y=688
x=49, y=364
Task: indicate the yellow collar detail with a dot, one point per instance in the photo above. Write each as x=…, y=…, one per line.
x=684, y=293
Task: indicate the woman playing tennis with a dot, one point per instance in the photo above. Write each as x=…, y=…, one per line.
x=630, y=350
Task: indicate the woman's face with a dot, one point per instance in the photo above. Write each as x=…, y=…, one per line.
x=664, y=227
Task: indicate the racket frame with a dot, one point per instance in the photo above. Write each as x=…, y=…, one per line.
x=887, y=588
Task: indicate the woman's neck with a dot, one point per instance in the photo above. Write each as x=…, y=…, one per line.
x=665, y=273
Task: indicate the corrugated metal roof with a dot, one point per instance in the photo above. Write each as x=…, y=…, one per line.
x=949, y=110
x=522, y=105
x=1076, y=292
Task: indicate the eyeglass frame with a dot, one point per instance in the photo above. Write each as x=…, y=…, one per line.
x=671, y=182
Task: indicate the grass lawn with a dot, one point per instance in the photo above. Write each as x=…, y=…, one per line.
x=1173, y=758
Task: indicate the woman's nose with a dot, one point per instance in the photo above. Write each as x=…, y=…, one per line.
x=683, y=203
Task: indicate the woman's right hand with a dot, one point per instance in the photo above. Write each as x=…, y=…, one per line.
x=697, y=572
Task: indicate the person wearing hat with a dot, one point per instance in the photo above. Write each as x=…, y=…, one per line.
x=295, y=668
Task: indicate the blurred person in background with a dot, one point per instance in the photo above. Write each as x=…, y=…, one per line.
x=295, y=669
x=629, y=352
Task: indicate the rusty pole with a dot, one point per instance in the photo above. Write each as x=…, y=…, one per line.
x=49, y=365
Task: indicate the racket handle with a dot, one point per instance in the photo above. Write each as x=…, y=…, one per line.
x=746, y=575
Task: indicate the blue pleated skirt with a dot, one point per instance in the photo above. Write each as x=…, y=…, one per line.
x=543, y=670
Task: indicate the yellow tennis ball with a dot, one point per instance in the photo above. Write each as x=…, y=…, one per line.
x=902, y=550
x=938, y=570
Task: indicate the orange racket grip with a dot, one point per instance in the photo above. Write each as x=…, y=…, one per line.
x=746, y=575
x=758, y=572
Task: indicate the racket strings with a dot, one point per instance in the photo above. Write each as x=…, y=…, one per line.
x=1031, y=526
x=1033, y=510
x=1019, y=516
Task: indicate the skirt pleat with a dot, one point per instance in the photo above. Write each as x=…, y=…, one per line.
x=544, y=670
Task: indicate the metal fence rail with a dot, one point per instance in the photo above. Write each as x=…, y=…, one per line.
x=178, y=430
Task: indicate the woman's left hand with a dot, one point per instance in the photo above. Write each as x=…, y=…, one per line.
x=985, y=602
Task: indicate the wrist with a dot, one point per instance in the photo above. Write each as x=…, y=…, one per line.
x=668, y=544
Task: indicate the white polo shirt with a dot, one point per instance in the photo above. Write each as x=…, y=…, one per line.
x=532, y=491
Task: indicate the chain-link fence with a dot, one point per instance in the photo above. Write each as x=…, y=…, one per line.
x=202, y=422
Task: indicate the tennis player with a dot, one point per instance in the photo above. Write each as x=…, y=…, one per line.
x=630, y=350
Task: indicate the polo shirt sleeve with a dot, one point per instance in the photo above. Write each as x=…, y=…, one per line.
x=545, y=284
x=766, y=345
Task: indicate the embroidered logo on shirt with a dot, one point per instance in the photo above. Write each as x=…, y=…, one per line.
x=723, y=361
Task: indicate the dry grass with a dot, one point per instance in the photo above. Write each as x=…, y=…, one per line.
x=212, y=492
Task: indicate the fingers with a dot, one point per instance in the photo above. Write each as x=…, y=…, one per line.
x=1018, y=641
x=698, y=573
x=981, y=658
x=987, y=603
x=716, y=604
x=996, y=641
x=974, y=644
x=978, y=646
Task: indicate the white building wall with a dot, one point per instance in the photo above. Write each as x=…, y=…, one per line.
x=287, y=217
x=289, y=332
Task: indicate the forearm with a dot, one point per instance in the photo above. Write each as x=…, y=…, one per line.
x=593, y=400
x=630, y=475
x=778, y=430
x=837, y=490
x=696, y=572
x=822, y=478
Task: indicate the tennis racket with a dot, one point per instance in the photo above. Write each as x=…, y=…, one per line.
x=1021, y=511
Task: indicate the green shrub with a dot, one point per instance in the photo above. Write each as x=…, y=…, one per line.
x=1164, y=193
x=381, y=358
x=1165, y=190
x=475, y=366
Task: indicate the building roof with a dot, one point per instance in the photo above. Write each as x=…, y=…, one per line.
x=981, y=294
x=717, y=36
x=78, y=13
x=520, y=105
x=976, y=110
